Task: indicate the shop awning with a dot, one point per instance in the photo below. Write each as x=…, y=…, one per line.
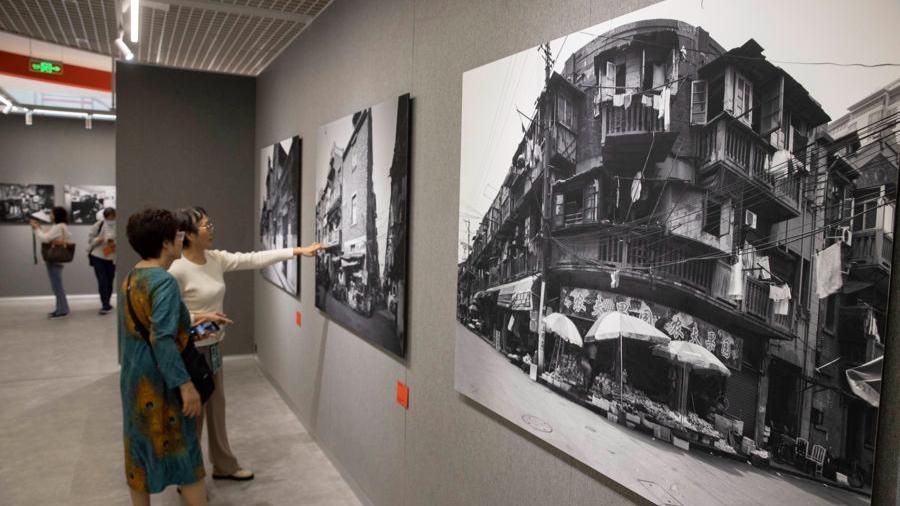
x=865, y=381
x=517, y=295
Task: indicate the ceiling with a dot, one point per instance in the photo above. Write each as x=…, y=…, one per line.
x=230, y=36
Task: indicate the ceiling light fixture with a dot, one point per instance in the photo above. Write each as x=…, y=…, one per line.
x=104, y=117
x=29, y=120
x=88, y=124
x=7, y=104
x=123, y=49
x=135, y=19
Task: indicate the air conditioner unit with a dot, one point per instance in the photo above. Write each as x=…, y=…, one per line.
x=750, y=219
x=846, y=236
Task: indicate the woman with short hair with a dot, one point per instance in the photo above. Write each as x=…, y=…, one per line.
x=102, y=255
x=159, y=401
x=58, y=232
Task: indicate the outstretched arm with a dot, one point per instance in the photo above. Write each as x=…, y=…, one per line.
x=308, y=251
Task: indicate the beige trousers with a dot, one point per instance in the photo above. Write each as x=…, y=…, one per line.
x=224, y=462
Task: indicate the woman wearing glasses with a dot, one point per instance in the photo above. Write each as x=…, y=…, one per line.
x=199, y=273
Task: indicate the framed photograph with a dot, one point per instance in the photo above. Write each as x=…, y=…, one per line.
x=676, y=234
x=362, y=179
x=20, y=203
x=86, y=203
x=279, y=217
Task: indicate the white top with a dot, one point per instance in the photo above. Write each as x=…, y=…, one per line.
x=101, y=232
x=57, y=232
x=203, y=286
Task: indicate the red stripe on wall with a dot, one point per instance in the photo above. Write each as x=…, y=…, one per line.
x=17, y=65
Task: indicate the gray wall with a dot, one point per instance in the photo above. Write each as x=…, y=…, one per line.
x=445, y=450
x=57, y=151
x=186, y=138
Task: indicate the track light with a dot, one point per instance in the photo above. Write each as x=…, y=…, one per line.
x=135, y=19
x=123, y=49
x=28, y=118
x=88, y=122
x=7, y=104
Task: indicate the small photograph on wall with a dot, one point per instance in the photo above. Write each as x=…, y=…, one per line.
x=21, y=203
x=362, y=176
x=86, y=203
x=675, y=244
x=279, y=219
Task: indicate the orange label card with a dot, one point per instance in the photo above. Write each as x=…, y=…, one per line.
x=298, y=318
x=403, y=395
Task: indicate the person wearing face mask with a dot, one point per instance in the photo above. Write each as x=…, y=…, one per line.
x=102, y=255
x=200, y=275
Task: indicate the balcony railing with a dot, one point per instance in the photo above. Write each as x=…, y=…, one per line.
x=635, y=119
x=872, y=247
x=727, y=140
x=711, y=277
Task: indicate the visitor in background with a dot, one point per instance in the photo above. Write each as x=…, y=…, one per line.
x=58, y=232
x=102, y=255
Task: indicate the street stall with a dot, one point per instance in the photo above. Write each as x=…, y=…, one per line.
x=563, y=371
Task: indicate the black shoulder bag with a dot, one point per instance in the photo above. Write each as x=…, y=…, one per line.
x=194, y=361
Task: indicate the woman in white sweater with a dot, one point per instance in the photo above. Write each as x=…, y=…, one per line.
x=199, y=273
x=58, y=232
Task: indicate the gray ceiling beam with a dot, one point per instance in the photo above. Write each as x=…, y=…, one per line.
x=240, y=9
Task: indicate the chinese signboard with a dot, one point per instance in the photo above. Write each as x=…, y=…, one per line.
x=592, y=304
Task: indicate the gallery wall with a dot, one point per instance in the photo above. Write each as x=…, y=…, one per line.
x=445, y=449
x=57, y=151
x=183, y=139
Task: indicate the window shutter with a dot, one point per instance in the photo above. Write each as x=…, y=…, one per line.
x=699, y=102
x=772, y=107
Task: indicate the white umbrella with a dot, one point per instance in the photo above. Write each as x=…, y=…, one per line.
x=616, y=325
x=865, y=381
x=562, y=326
x=693, y=355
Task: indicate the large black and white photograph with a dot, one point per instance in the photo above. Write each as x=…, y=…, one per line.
x=675, y=243
x=279, y=216
x=362, y=175
x=86, y=203
x=20, y=203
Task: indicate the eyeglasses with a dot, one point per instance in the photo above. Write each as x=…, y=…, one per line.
x=208, y=226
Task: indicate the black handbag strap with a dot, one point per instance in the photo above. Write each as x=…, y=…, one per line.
x=99, y=229
x=34, y=246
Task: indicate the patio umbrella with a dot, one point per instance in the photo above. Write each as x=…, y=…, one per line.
x=616, y=325
x=562, y=326
x=865, y=381
x=692, y=355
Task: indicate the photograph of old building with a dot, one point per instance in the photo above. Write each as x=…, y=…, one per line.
x=279, y=216
x=20, y=203
x=362, y=180
x=86, y=203
x=670, y=234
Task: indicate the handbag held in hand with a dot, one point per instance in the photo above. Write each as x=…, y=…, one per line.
x=194, y=361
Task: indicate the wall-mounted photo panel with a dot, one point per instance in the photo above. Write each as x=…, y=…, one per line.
x=676, y=235
x=86, y=203
x=362, y=175
x=20, y=203
x=279, y=219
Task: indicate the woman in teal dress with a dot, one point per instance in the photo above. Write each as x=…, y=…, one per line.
x=159, y=402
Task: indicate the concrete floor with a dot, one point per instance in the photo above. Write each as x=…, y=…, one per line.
x=61, y=421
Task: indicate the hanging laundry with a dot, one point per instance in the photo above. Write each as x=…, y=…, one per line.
x=872, y=326
x=782, y=296
x=627, y=100
x=781, y=161
x=828, y=271
x=614, y=279
x=636, y=186
x=765, y=272
x=657, y=104
x=619, y=100
x=736, y=282
x=666, y=99
x=511, y=324
x=748, y=255
x=646, y=100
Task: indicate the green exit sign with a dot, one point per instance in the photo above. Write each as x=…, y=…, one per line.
x=45, y=67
